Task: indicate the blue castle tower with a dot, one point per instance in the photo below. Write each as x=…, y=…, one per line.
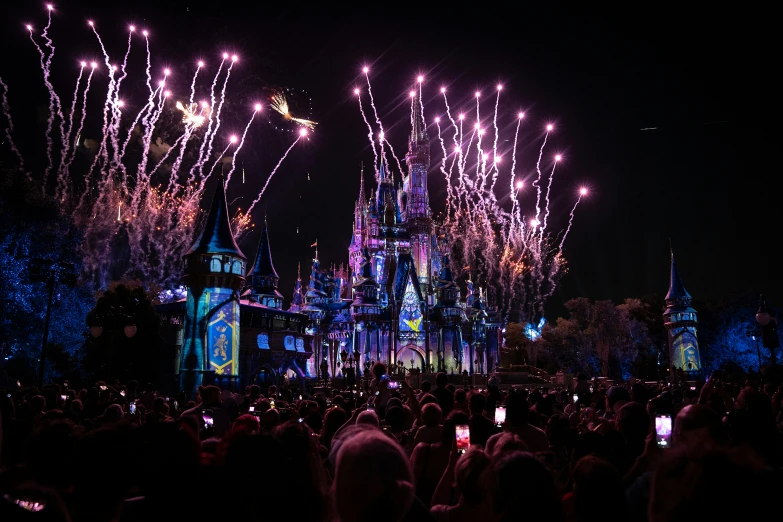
x=681, y=321
x=214, y=276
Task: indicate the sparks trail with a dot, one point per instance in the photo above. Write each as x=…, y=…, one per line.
x=263, y=189
x=514, y=258
x=201, y=152
x=119, y=204
x=241, y=142
x=54, y=102
x=382, y=156
x=9, y=129
x=219, y=109
x=369, y=134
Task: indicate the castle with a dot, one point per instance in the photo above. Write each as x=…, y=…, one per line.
x=396, y=302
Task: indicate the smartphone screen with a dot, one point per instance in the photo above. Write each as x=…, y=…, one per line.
x=208, y=420
x=63, y=397
x=103, y=388
x=300, y=397
x=663, y=430
x=394, y=385
x=463, y=437
x=500, y=415
x=252, y=409
x=132, y=408
x=175, y=404
x=272, y=404
x=576, y=398
x=122, y=392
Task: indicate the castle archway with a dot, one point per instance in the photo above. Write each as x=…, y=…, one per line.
x=411, y=352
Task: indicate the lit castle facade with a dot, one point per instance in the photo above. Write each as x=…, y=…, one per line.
x=397, y=301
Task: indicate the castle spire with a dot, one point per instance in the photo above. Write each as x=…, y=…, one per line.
x=676, y=288
x=418, y=125
x=216, y=236
x=361, y=187
x=263, y=265
x=263, y=276
x=298, y=301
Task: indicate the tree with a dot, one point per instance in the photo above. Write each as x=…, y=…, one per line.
x=113, y=354
x=34, y=227
x=598, y=337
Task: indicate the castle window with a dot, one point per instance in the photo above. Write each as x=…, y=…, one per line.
x=214, y=264
x=236, y=267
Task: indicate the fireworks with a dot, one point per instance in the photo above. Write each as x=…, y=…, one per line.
x=279, y=104
x=193, y=114
x=516, y=256
x=116, y=196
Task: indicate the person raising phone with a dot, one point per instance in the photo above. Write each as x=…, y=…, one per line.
x=210, y=400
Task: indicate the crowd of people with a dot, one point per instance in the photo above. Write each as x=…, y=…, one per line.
x=125, y=453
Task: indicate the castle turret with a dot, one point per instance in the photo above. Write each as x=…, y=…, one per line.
x=263, y=276
x=365, y=307
x=416, y=211
x=680, y=321
x=214, y=276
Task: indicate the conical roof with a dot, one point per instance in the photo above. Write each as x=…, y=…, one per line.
x=263, y=265
x=676, y=288
x=216, y=236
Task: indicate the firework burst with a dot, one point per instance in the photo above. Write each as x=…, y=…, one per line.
x=137, y=192
x=279, y=104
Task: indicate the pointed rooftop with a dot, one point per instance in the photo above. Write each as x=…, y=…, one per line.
x=263, y=265
x=216, y=236
x=418, y=126
x=676, y=288
x=362, y=199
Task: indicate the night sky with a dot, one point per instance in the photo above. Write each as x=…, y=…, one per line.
x=704, y=176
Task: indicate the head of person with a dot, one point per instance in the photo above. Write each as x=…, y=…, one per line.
x=441, y=380
x=598, y=490
x=633, y=423
x=524, y=489
x=210, y=395
x=379, y=370
x=616, y=397
x=426, y=386
x=395, y=418
x=378, y=463
x=697, y=429
x=368, y=417
x=508, y=443
x=460, y=395
x=428, y=398
x=477, y=404
x=431, y=415
x=475, y=477
x=517, y=410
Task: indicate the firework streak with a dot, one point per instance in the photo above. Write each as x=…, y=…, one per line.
x=135, y=191
x=491, y=241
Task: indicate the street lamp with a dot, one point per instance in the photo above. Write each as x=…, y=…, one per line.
x=113, y=320
x=769, y=328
